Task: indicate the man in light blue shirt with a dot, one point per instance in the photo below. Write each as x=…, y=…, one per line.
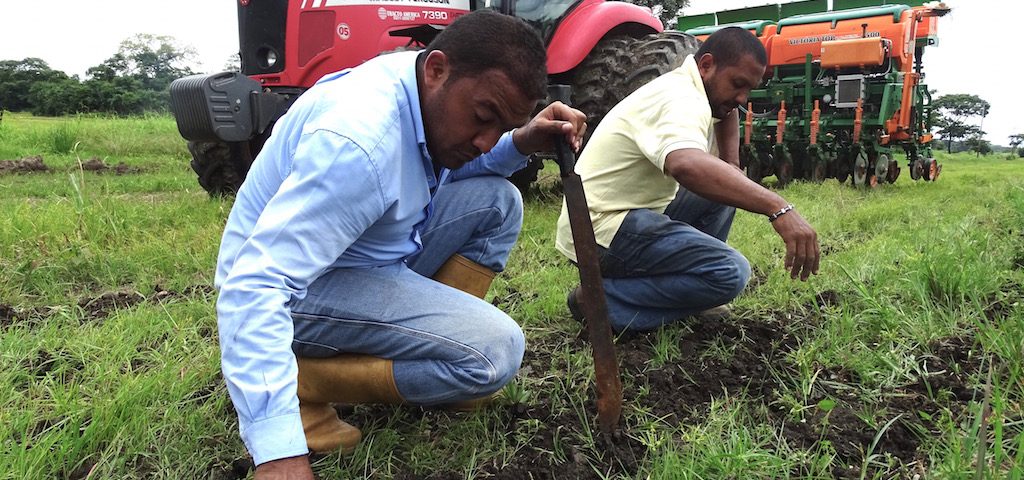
x=379, y=191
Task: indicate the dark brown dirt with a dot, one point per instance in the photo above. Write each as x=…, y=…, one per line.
x=9, y=316
x=999, y=305
x=162, y=294
x=35, y=164
x=738, y=357
x=94, y=164
x=714, y=358
x=101, y=307
x=745, y=353
x=24, y=165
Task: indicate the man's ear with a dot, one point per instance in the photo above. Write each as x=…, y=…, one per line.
x=436, y=69
x=706, y=65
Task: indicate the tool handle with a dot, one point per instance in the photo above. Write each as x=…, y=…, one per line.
x=564, y=155
x=607, y=379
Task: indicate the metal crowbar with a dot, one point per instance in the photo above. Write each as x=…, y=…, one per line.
x=595, y=310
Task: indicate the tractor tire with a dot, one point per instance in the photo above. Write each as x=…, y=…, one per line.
x=597, y=83
x=218, y=170
x=524, y=177
x=657, y=54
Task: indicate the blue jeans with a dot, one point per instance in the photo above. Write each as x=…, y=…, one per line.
x=446, y=345
x=662, y=267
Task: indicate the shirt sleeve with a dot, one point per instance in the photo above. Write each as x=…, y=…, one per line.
x=504, y=160
x=332, y=194
x=674, y=123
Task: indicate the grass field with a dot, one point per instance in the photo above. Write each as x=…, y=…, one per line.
x=904, y=358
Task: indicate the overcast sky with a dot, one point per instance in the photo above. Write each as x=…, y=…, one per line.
x=979, y=50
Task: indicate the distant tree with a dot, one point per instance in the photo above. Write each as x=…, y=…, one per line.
x=233, y=63
x=955, y=132
x=955, y=112
x=1015, y=141
x=136, y=78
x=17, y=78
x=58, y=97
x=155, y=60
x=120, y=95
x=667, y=10
x=979, y=145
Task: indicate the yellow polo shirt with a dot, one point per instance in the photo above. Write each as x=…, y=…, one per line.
x=623, y=166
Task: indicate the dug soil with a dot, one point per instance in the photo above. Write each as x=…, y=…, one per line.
x=734, y=357
x=35, y=164
x=676, y=380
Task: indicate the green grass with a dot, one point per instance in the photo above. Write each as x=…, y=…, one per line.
x=135, y=392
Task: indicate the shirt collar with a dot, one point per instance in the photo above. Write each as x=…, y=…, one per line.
x=690, y=68
x=411, y=86
x=412, y=92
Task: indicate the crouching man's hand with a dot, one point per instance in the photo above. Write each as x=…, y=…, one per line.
x=557, y=118
x=802, y=252
x=292, y=468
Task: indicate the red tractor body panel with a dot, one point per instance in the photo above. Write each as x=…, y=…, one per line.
x=587, y=24
x=324, y=36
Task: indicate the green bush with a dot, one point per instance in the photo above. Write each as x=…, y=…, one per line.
x=63, y=138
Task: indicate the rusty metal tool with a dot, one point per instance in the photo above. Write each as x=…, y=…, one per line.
x=592, y=301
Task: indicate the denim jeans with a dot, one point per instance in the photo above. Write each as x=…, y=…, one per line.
x=446, y=345
x=662, y=267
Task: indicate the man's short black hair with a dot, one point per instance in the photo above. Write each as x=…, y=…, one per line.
x=485, y=40
x=728, y=46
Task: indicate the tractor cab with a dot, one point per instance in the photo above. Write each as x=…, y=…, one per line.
x=285, y=46
x=544, y=16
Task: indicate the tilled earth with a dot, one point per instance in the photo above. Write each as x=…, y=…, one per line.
x=736, y=357
x=35, y=164
x=681, y=391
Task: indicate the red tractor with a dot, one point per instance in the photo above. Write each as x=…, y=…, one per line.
x=287, y=45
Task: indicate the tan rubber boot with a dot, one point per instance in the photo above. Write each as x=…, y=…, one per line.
x=325, y=432
x=461, y=273
x=349, y=379
x=714, y=314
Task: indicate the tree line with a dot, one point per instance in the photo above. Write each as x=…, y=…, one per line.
x=134, y=80
x=959, y=118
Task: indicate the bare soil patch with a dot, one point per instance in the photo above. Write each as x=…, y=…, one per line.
x=99, y=307
x=94, y=164
x=732, y=357
x=24, y=165
x=35, y=164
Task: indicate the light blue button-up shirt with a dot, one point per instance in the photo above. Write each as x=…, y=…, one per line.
x=345, y=181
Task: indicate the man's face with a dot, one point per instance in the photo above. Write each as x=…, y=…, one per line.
x=464, y=118
x=728, y=86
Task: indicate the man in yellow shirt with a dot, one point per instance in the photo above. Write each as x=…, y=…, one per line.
x=662, y=179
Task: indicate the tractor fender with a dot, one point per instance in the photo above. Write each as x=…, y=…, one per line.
x=587, y=24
